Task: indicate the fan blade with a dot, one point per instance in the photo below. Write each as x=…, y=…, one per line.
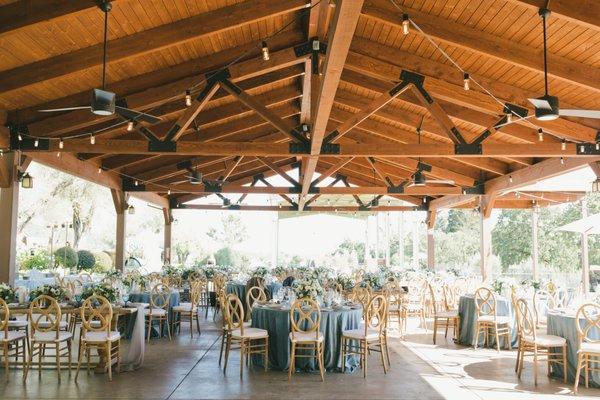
x=540, y=103
x=65, y=109
x=579, y=113
x=136, y=115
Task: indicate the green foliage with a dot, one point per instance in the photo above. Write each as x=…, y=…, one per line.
x=103, y=262
x=348, y=247
x=227, y=257
x=37, y=261
x=66, y=257
x=511, y=238
x=85, y=259
x=230, y=231
x=457, y=240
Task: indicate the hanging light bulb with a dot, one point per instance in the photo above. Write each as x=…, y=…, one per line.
x=36, y=143
x=510, y=179
x=1, y=153
x=562, y=161
x=405, y=24
x=597, y=145
x=131, y=209
x=92, y=138
x=136, y=183
x=466, y=80
x=188, y=98
x=99, y=170
x=265, y=51
x=130, y=126
x=169, y=192
x=61, y=144
x=540, y=135
x=20, y=137
x=582, y=148
x=563, y=144
x=58, y=154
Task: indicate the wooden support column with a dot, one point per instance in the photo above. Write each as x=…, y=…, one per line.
x=9, y=208
x=431, y=216
x=486, y=245
x=585, y=261
x=534, y=241
x=168, y=217
x=120, y=202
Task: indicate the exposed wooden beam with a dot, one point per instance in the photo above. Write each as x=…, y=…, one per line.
x=314, y=209
x=595, y=166
x=147, y=41
x=331, y=170
x=278, y=170
x=451, y=201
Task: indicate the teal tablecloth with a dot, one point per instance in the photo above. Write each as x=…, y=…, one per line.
x=468, y=322
x=563, y=325
x=145, y=298
x=240, y=290
x=277, y=323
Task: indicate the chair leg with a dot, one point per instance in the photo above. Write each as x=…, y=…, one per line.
x=266, y=354
x=435, y=325
x=578, y=373
x=227, y=348
x=58, y=360
x=5, y=348
x=564, y=358
x=497, y=338
x=518, y=355
x=242, y=354
x=382, y=348
x=293, y=360
x=320, y=360
x=149, y=328
x=81, y=347
x=365, y=350
x=109, y=359
x=447, y=324
x=343, y=354
x=222, y=346
x=587, y=370
x=26, y=370
x=535, y=364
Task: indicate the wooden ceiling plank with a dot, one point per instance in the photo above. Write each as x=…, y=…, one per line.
x=583, y=12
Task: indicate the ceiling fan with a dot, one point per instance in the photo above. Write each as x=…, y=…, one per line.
x=105, y=103
x=419, y=178
x=547, y=107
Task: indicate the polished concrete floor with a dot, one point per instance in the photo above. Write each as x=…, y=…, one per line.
x=188, y=369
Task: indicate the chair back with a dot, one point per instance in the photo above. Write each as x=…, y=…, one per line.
x=45, y=314
x=197, y=289
x=254, y=294
x=233, y=312
x=96, y=314
x=588, y=320
x=525, y=321
x=305, y=317
x=361, y=295
x=376, y=314
x=219, y=281
x=160, y=296
x=543, y=301
x=4, y=317
x=450, y=297
x=433, y=300
x=485, y=302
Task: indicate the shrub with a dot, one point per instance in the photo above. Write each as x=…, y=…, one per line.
x=103, y=263
x=85, y=259
x=66, y=257
x=37, y=261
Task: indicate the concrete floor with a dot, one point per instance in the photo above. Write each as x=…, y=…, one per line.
x=188, y=369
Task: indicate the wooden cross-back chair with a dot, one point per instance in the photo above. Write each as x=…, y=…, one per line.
x=250, y=340
x=219, y=282
x=361, y=295
x=537, y=344
x=443, y=317
x=96, y=332
x=45, y=318
x=14, y=343
x=543, y=300
x=189, y=311
x=370, y=337
x=254, y=294
x=587, y=321
x=160, y=298
x=488, y=320
x=305, y=320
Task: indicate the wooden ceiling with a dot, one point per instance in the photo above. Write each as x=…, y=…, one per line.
x=243, y=126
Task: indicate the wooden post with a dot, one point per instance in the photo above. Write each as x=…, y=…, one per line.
x=431, y=215
x=120, y=202
x=9, y=208
x=486, y=246
x=585, y=262
x=535, y=249
x=401, y=239
x=168, y=216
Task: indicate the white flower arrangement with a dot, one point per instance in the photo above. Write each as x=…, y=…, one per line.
x=7, y=293
x=260, y=272
x=346, y=282
x=310, y=288
x=501, y=284
x=104, y=290
x=54, y=291
x=375, y=281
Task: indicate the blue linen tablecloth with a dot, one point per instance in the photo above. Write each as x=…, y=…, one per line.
x=277, y=323
x=240, y=290
x=468, y=322
x=563, y=325
x=145, y=298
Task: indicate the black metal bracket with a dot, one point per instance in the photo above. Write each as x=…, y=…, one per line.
x=234, y=207
x=148, y=134
x=587, y=149
x=330, y=148
x=423, y=167
x=296, y=190
x=217, y=76
x=173, y=203
x=400, y=86
x=332, y=135
x=411, y=77
x=187, y=165
x=476, y=189
x=160, y=146
x=513, y=109
x=422, y=207
x=211, y=187
x=466, y=148
x=307, y=48
x=299, y=148
x=396, y=189
x=128, y=185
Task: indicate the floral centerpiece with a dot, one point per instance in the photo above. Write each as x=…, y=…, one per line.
x=169, y=270
x=310, y=288
x=322, y=274
x=280, y=271
x=375, y=281
x=7, y=293
x=260, y=272
x=114, y=275
x=54, y=291
x=502, y=284
x=536, y=285
x=130, y=280
x=109, y=292
x=346, y=282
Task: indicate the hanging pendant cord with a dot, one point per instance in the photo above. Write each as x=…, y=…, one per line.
x=545, y=58
x=105, y=45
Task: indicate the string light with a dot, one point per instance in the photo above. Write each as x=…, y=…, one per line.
x=265, y=51
x=582, y=148
x=562, y=161
x=405, y=24
x=169, y=192
x=563, y=144
x=508, y=114
x=188, y=98
x=510, y=179
x=540, y=135
x=466, y=80
x=36, y=143
x=136, y=183
x=57, y=154
x=130, y=126
x=99, y=170
x=92, y=139
x=61, y=144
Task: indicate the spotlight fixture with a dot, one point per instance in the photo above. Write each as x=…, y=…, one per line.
x=130, y=126
x=188, y=98
x=26, y=181
x=405, y=24
x=541, y=135
x=61, y=144
x=466, y=80
x=92, y=139
x=265, y=51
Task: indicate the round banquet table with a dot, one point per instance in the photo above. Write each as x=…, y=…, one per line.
x=145, y=298
x=468, y=322
x=563, y=324
x=240, y=290
x=277, y=323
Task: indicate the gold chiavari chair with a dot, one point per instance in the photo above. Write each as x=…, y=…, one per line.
x=443, y=318
x=413, y=306
x=587, y=320
x=450, y=297
x=538, y=344
x=361, y=295
x=96, y=315
x=254, y=294
x=305, y=318
x=13, y=342
x=45, y=316
x=188, y=311
x=370, y=337
x=543, y=301
x=160, y=297
x=488, y=320
x=219, y=283
x=244, y=337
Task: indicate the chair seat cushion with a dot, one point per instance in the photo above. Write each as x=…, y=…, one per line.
x=20, y=323
x=447, y=314
x=250, y=333
x=360, y=334
x=155, y=311
x=185, y=308
x=500, y=319
x=306, y=337
x=99, y=337
x=542, y=339
x=12, y=336
x=587, y=347
x=51, y=336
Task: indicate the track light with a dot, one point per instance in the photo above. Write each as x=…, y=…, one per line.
x=36, y=143
x=540, y=135
x=466, y=80
x=61, y=144
x=265, y=51
x=130, y=126
x=405, y=24
x=188, y=98
x=92, y=139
